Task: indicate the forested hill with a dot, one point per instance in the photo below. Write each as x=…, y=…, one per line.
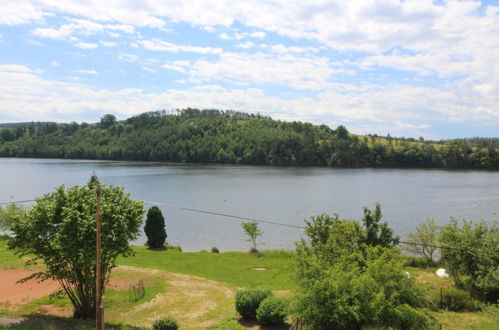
x=213, y=136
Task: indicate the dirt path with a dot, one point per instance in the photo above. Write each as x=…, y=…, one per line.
x=195, y=302
x=13, y=295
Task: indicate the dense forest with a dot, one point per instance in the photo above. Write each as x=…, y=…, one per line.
x=215, y=136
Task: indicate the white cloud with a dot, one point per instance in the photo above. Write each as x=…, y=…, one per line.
x=106, y=43
x=225, y=36
x=82, y=27
x=173, y=67
x=280, y=48
x=61, y=33
x=86, y=45
x=161, y=45
x=455, y=42
x=86, y=71
x=245, y=45
x=20, y=12
x=209, y=28
x=125, y=57
x=177, y=65
x=55, y=64
x=15, y=68
x=24, y=92
x=297, y=72
x=181, y=62
x=259, y=34
x=146, y=68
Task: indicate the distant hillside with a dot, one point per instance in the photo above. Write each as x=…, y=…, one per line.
x=13, y=125
x=23, y=124
x=214, y=136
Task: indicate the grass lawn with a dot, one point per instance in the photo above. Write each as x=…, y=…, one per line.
x=7, y=258
x=233, y=268
x=206, y=300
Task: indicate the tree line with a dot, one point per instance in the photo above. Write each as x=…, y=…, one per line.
x=230, y=137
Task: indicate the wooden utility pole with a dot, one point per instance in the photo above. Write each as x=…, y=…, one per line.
x=98, y=298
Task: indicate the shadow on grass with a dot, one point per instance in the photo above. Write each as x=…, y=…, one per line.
x=253, y=323
x=165, y=247
x=37, y=321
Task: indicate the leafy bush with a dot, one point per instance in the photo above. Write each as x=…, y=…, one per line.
x=165, y=323
x=455, y=300
x=272, y=310
x=471, y=255
x=215, y=250
x=173, y=247
x=407, y=317
x=248, y=301
x=344, y=283
x=424, y=241
x=413, y=261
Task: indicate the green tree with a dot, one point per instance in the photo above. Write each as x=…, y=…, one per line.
x=59, y=230
x=345, y=284
x=377, y=234
x=471, y=254
x=155, y=228
x=107, y=120
x=424, y=240
x=9, y=214
x=251, y=229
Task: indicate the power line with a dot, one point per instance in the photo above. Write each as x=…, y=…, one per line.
x=223, y=214
x=18, y=202
x=293, y=226
x=266, y=222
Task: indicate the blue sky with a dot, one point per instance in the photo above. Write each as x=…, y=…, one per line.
x=406, y=68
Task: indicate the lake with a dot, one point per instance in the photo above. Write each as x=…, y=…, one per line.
x=279, y=194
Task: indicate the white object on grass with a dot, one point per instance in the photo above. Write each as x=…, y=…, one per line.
x=442, y=273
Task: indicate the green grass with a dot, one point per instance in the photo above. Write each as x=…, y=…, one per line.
x=229, y=323
x=464, y=321
x=7, y=257
x=232, y=268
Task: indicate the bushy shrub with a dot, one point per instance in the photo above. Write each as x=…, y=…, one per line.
x=248, y=301
x=471, y=255
x=165, y=323
x=272, y=310
x=406, y=317
x=173, y=247
x=343, y=283
x=413, y=261
x=215, y=250
x=455, y=300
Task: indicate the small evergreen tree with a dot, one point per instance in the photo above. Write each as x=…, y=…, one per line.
x=155, y=228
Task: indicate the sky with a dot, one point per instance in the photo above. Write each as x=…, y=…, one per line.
x=405, y=68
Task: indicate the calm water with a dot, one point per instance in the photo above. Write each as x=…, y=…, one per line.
x=285, y=195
